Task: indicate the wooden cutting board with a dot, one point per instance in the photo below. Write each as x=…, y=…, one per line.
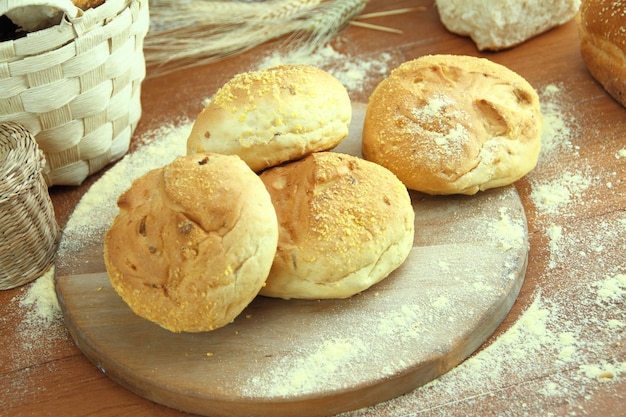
x=316, y=358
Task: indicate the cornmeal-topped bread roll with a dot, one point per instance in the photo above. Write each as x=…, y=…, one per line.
x=193, y=242
x=274, y=115
x=345, y=224
x=602, y=33
x=451, y=124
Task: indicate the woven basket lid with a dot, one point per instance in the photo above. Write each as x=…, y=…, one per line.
x=20, y=159
x=29, y=232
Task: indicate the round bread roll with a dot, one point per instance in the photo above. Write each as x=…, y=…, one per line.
x=272, y=116
x=193, y=242
x=344, y=225
x=451, y=124
x=602, y=33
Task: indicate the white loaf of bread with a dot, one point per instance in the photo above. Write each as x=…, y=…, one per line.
x=501, y=24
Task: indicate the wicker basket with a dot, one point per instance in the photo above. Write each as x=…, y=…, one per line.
x=76, y=86
x=29, y=233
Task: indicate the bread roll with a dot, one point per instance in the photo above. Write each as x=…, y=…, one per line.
x=344, y=225
x=602, y=33
x=272, y=116
x=193, y=242
x=450, y=124
x=501, y=24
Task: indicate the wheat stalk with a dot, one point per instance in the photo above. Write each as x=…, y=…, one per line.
x=197, y=32
x=392, y=12
x=383, y=14
x=323, y=23
x=168, y=14
x=290, y=8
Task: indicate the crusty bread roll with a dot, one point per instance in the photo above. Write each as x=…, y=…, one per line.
x=602, y=33
x=193, y=242
x=344, y=225
x=451, y=124
x=501, y=24
x=274, y=115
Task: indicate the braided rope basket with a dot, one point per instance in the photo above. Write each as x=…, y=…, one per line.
x=29, y=233
x=76, y=86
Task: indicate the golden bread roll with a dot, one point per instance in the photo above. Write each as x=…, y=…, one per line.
x=272, y=116
x=344, y=225
x=451, y=124
x=193, y=242
x=602, y=33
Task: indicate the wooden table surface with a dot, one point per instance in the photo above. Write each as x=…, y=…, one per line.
x=562, y=348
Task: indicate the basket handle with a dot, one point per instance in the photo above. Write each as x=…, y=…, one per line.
x=66, y=6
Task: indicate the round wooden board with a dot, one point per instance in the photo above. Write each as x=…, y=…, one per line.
x=316, y=358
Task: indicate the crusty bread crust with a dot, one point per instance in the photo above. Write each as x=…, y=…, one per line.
x=272, y=116
x=500, y=24
x=602, y=33
x=344, y=225
x=451, y=124
x=193, y=242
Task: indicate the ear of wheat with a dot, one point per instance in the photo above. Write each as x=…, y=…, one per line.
x=197, y=32
x=168, y=14
x=322, y=23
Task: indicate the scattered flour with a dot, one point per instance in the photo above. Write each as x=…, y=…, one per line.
x=559, y=126
x=39, y=323
x=312, y=368
x=352, y=72
x=612, y=289
x=40, y=300
x=552, y=195
x=510, y=233
x=555, y=234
